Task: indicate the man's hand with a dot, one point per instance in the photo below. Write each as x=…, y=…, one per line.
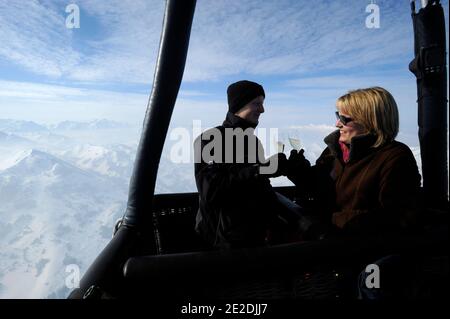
x=297, y=164
x=278, y=163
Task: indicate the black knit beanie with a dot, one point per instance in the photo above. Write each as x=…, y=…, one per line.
x=241, y=93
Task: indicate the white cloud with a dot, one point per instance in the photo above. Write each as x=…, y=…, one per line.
x=24, y=90
x=289, y=37
x=47, y=103
x=127, y=51
x=320, y=128
x=34, y=36
x=229, y=37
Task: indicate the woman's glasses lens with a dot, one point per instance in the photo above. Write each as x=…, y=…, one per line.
x=344, y=120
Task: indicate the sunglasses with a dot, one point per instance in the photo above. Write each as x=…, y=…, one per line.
x=344, y=120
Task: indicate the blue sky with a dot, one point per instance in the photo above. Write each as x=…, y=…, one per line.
x=305, y=53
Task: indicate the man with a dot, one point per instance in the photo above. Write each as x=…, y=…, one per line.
x=237, y=205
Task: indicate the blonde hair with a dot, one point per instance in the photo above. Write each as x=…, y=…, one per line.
x=375, y=109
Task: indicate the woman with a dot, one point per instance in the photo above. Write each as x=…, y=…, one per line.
x=365, y=181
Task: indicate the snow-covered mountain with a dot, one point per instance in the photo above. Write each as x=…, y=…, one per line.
x=12, y=149
x=49, y=140
x=8, y=125
x=12, y=158
x=112, y=160
x=60, y=198
x=53, y=214
x=174, y=177
x=99, y=124
x=13, y=141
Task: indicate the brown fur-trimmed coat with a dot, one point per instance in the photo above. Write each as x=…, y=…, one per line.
x=377, y=190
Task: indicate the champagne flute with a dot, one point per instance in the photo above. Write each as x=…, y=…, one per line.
x=295, y=142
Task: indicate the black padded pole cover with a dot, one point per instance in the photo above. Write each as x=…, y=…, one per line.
x=168, y=75
x=430, y=68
